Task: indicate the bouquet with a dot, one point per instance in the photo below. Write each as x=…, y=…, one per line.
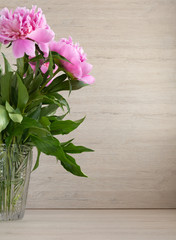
x=30, y=93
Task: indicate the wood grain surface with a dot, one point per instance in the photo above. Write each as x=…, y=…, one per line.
x=91, y=224
x=131, y=109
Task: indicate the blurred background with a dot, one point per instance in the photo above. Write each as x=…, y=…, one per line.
x=130, y=110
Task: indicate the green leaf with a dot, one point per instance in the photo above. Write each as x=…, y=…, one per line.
x=56, y=118
x=22, y=94
x=6, y=86
x=36, y=83
x=33, y=106
x=55, y=83
x=40, y=132
x=50, y=109
x=71, y=85
x=48, y=145
x=71, y=148
x=7, y=65
x=68, y=166
x=45, y=78
x=51, y=146
x=4, y=118
x=56, y=56
x=35, y=96
x=27, y=123
x=45, y=122
x=64, y=126
x=28, y=79
x=35, y=59
x=35, y=112
x=51, y=64
x=50, y=100
x=30, y=70
x=9, y=108
x=57, y=99
x=21, y=66
x=31, y=123
x=14, y=90
x=16, y=117
x=37, y=161
x=66, y=143
x=61, y=100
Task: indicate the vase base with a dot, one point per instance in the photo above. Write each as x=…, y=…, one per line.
x=11, y=217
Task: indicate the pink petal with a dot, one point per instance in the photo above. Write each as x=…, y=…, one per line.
x=44, y=67
x=41, y=35
x=49, y=82
x=22, y=46
x=44, y=48
x=5, y=38
x=70, y=52
x=88, y=79
x=74, y=68
x=53, y=45
x=5, y=12
x=86, y=68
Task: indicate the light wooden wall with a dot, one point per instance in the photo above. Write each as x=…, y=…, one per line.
x=131, y=109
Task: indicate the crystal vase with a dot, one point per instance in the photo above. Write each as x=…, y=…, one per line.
x=15, y=169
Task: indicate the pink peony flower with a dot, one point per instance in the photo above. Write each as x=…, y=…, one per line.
x=23, y=28
x=79, y=67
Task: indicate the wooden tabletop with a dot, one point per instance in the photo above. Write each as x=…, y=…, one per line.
x=92, y=225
